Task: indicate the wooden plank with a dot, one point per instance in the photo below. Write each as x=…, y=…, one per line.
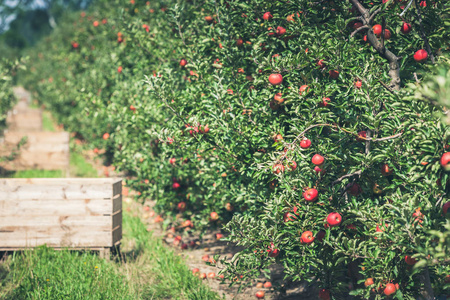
x=22, y=119
x=57, y=181
x=54, y=192
x=117, y=235
x=117, y=204
x=78, y=207
x=43, y=150
x=117, y=187
x=8, y=223
x=117, y=219
x=62, y=137
x=72, y=238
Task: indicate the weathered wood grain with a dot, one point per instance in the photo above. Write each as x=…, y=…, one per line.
x=74, y=213
x=24, y=119
x=58, y=207
x=43, y=150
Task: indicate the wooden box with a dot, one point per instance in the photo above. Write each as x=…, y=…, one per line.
x=43, y=150
x=24, y=119
x=74, y=213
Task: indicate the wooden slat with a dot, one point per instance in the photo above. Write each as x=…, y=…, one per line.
x=117, y=235
x=117, y=219
x=57, y=238
x=117, y=187
x=100, y=222
x=57, y=181
x=117, y=204
x=23, y=119
x=55, y=192
x=43, y=150
x=78, y=207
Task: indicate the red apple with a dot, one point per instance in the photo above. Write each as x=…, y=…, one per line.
x=445, y=161
x=445, y=207
x=172, y=161
x=119, y=69
x=205, y=257
x=181, y=206
x=209, y=19
x=176, y=185
x=132, y=108
x=287, y=216
x=95, y=23
x=358, y=84
x=260, y=294
x=267, y=284
x=280, y=31
x=196, y=271
x=317, y=159
x=420, y=55
x=305, y=143
x=318, y=169
x=214, y=216
x=409, y=260
x=406, y=28
x=278, y=98
x=239, y=42
x=324, y=102
x=203, y=276
x=361, y=136
x=267, y=16
x=278, y=168
x=219, y=236
x=211, y=275
x=307, y=237
x=377, y=29
x=292, y=165
x=333, y=74
x=320, y=235
x=229, y=206
x=368, y=282
x=183, y=62
x=334, y=219
x=303, y=88
x=273, y=252
x=386, y=170
x=390, y=289
x=321, y=64
x=106, y=136
x=324, y=294
x=275, y=79
x=310, y=195
x=353, y=189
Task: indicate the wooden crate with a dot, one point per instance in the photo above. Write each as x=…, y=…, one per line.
x=74, y=213
x=24, y=119
x=44, y=150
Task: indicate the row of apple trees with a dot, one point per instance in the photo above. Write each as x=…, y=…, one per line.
x=293, y=126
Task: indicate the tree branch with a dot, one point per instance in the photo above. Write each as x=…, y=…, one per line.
x=393, y=60
x=359, y=172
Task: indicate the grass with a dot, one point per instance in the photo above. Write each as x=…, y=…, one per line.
x=154, y=271
x=146, y=270
x=47, y=122
x=36, y=174
x=79, y=167
x=50, y=274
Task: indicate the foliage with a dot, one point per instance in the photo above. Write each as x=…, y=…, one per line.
x=381, y=146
